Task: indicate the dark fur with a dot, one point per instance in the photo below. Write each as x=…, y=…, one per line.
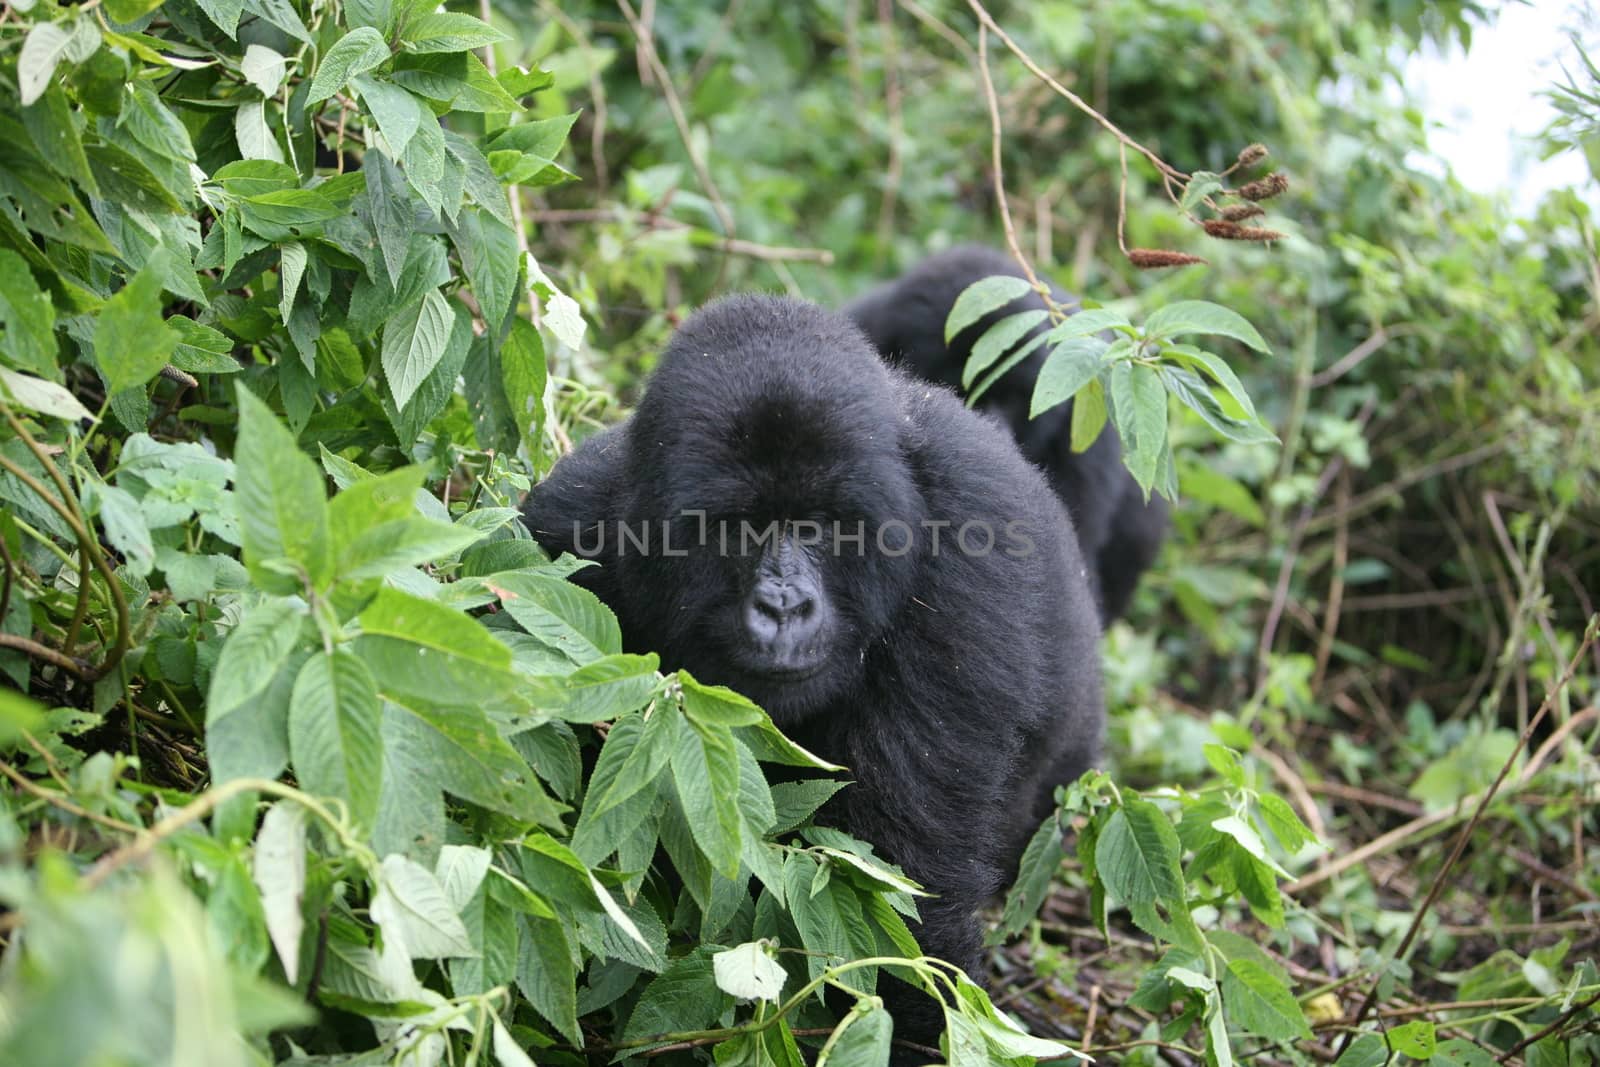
x=959, y=688
x=1117, y=530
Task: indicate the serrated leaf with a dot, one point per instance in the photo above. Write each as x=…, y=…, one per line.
x=607, y=687
x=1088, y=415
x=292, y=267
x=449, y=32
x=29, y=318
x=400, y=116
x=355, y=53
x=131, y=342
x=253, y=134
x=522, y=376
x=1040, y=862
x=42, y=49
x=999, y=339
x=413, y=343
x=387, y=547
x=433, y=626
x=749, y=971
x=411, y=905
x=1139, y=405
x=982, y=297
x=282, y=511
x=279, y=872
x=863, y=1038
x=1259, y=1002
x=334, y=732
x=1218, y=369
x=562, y=615
x=705, y=773
x=1201, y=184
x=263, y=68
x=251, y=655
x=1202, y=316
x=200, y=349
x=1070, y=366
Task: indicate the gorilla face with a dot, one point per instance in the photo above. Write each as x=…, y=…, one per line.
x=794, y=522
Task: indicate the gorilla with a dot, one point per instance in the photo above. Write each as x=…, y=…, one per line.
x=1118, y=532
x=870, y=561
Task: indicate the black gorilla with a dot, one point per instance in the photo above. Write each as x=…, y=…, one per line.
x=1118, y=532
x=924, y=618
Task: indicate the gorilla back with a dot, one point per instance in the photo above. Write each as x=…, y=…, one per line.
x=870, y=561
x=1118, y=532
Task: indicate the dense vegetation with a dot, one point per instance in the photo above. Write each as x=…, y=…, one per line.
x=310, y=756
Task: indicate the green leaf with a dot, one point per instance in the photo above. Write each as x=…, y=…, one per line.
x=355, y=53
x=400, y=115
x=1260, y=1003
x=1136, y=856
x=131, y=343
x=411, y=907
x=43, y=397
x=982, y=297
x=1202, y=316
x=449, y=32
x=532, y=148
x=1069, y=367
x=42, y=49
x=1139, y=405
x=282, y=511
x=1040, y=862
x=522, y=376
x=201, y=349
x=1089, y=321
x=454, y=747
x=999, y=339
x=334, y=732
x=279, y=871
x=547, y=977
x=432, y=626
x=684, y=996
x=1088, y=415
x=152, y=124
x=705, y=773
x=413, y=343
x=1415, y=1039
x=368, y=501
x=607, y=687
x=29, y=341
x=560, y=614
x=1192, y=391
x=749, y=971
x=1219, y=371
x=863, y=1038
x=264, y=69
x=387, y=547
x=711, y=706
x=1201, y=184
x=252, y=654
x=1367, y=1050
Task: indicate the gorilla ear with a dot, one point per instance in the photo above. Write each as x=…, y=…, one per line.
x=585, y=488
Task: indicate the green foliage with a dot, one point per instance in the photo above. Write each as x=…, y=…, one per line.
x=312, y=757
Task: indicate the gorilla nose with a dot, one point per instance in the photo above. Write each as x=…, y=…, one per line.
x=782, y=616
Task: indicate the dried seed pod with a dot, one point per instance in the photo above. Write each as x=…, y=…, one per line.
x=1155, y=258
x=1264, y=188
x=1232, y=231
x=1251, y=155
x=1240, y=212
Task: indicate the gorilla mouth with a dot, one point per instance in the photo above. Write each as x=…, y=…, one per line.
x=786, y=670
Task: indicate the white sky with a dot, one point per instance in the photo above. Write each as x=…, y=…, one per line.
x=1486, y=104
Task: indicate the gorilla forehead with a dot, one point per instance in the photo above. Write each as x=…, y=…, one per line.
x=772, y=389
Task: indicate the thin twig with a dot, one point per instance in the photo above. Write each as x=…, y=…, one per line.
x=1556, y=1024
x=891, y=97
x=1590, y=633
x=59, y=801
x=999, y=171
x=987, y=22
x=647, y=47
